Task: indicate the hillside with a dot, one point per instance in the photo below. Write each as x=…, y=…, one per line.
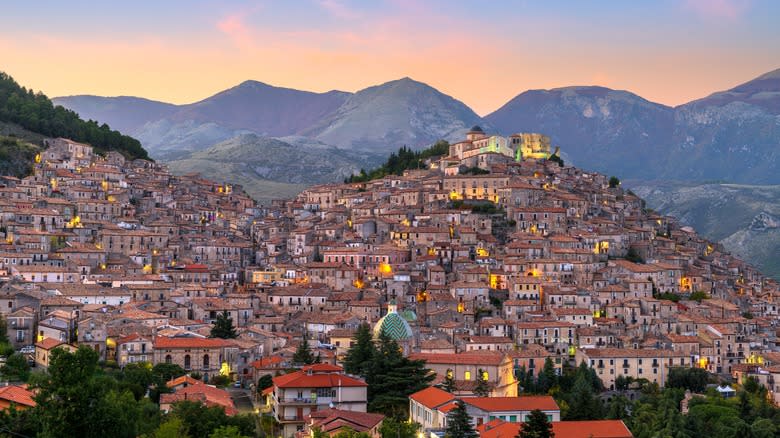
x=745, y=218
x=270, y=168
x=35, y=112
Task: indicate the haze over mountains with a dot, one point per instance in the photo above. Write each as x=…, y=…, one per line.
x=731, y=136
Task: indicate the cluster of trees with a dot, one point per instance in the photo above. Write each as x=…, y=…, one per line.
x=656, y=412
x=459, y=424
x=35, y=112
x=575, y=390
x=391, y=376
x=78, y=397
x=402, y=160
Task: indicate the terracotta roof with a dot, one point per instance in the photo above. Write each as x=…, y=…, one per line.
x=301, y=379
x=48, y=343
x=432, y=397
x=331, y=420
x=561, y=429
x=163, y=342
x=481, y=358
x=18, y=394
x=504, y=404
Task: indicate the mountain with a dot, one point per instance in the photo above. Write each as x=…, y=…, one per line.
x=271, y=168
x=745, y=218
x=610, y=131
x=396, y=113
x=262, y=108
x=731, y=135
x=125, y=113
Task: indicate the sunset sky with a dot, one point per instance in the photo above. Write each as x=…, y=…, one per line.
x=480, y=52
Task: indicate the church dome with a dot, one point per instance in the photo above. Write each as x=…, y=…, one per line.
x=393, y=325
x=476, y=128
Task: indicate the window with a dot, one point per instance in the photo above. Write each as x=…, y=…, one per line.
x=187, y=364
x=205, y=361
x=467, y=375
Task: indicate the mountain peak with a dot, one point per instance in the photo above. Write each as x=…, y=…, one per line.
x=774, y=74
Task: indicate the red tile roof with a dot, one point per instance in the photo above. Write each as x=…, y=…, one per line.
x=17, y=394
x=432, y=397
x=561, y=429
x=209, y=395
x=505, y=404
x=301, y=379
x=481, y=358
x=48, y=343
x=331, y=420
x=163, y=342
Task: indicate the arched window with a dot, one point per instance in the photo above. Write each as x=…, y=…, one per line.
x=187, y=362
x=168, y=358
x=205, y=361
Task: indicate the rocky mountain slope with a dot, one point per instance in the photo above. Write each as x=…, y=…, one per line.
x=745, y=218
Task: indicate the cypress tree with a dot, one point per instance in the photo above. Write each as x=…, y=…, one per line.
x=359, y=355
x=459, y=422
x=536, y=426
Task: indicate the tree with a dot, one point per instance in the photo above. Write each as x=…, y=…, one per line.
x=227, y=432
x=173, y=427
x=448, y=384
x=694, y=379
x=481, y=389
x=392, y=377
x=613, y=182
x=583, y=403
x=223, y=327
x=699, y=295
x=303, y=353
x=74, y=400
x=392, y=428
x=536, y=426
x=547, y=378
x=360, y=353
x=459, y=422
x=264, y=382
x=16, y=368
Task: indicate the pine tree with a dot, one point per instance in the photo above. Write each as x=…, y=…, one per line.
x=536, y=426
x=223, y=327
x=583, y=403
x=449, y=383
x=482, y=389
x=392, y=377
x=303, y=355
x=359, y=355
x=459, y=423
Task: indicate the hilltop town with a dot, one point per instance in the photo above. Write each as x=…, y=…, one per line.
x=491, y=260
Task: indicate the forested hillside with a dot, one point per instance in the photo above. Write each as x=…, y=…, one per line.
x=35, y=112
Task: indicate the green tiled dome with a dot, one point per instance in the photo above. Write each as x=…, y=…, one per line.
x=393, y=325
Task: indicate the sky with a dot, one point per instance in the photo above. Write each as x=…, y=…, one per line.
x=480, y=52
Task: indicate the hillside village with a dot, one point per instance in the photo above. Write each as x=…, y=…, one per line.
x=485, y=262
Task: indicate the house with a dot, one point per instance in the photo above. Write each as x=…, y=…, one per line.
x=207, y=356
x=187, y=388
x=44, y=348
x=464, y=368
x=316, y=387
x=334, y=421
x=17, y=396
x=429, y=408
x=651, y=364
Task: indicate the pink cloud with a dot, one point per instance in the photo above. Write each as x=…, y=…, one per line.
x=719, y=9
